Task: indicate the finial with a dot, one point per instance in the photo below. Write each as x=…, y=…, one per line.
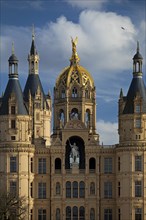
x=121, y=93
x=33, y=32
x=12, y=47
x=74, y=59
x=137, y=46
x=74, y=44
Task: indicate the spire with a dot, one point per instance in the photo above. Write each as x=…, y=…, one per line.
x=137, y=46
x=121, y=93
x=33, y=49
x=13, y=48
x=75, y=58
x=137, y=62
x=33, y=32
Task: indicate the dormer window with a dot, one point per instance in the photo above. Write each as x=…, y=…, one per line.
x=138, y=123
x=63, y=94
x=137, y=108
x=87, y=94
x=13, y=124
x=74, y=92
x=13, y=110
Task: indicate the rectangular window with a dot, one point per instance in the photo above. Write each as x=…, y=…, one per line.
x=138, y=214
x=138, y=187
x=13, y=110
x=119, y=214
x=107, y=214
x=42, y=214
x=13, y=138
x=108, y=190
x=119, y=189
x=31, y=190
x=31, y=214
x=13, y=187
x=13, y=164
x=137, y=108
x=108, y=165
x=138, y=163
x=138, y=123
x=31, y=165
x=42, y=165
x=13, y=124
x=119, y=164
x=42, y=190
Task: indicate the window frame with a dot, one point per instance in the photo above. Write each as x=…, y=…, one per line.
x=138, y=188
x=108, y=165
x=138, y=163
x=42, y=165
x=42, y=190
x=108, y=190
x=42, y=214
x=13, y=164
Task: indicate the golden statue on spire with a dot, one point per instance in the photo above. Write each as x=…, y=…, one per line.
x=74, y=44
x=74, y=59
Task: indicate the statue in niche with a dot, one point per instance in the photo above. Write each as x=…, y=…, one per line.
x=74, y=156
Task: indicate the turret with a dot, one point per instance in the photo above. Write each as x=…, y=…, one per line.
x=132, y=108
x=13, y=112
x=38, y=104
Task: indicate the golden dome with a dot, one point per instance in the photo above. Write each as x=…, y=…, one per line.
x=74, y=73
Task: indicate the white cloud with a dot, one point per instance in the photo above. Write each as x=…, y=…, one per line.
x=108, y=132
x=103, y=47
x=87, y=4
x=36, y=4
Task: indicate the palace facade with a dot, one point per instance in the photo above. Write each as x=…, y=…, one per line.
x=68, y=175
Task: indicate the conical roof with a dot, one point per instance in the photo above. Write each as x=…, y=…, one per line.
x=137, y=87
x=13, y=88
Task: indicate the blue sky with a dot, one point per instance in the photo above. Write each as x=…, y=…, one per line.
x=105, y=49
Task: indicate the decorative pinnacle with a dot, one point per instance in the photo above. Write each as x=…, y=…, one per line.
x=33, y=32
x=74, y=59
x=13, y=48
x=137, y=46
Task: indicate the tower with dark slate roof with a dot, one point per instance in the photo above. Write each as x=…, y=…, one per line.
x=13, y=112
x=38, y=104
x=132, y=108
x=15, y=138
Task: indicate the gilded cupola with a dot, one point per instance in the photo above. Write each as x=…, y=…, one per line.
x=74, y=94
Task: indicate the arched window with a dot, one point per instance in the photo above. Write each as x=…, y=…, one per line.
x=74, y=114
x=92, y=165
x=87, y=94
x=92, y=214
x=75, y=189
x=74, y=92
x=57, y=188
x=61, y=118
x=75, y=213
x=92, y=188
x=82, y=189
x=82, y=213
x=87, y=117
x=63, y=93
x=57, y=214
x=68, y=189
x=68, y=213
x=57, y=165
